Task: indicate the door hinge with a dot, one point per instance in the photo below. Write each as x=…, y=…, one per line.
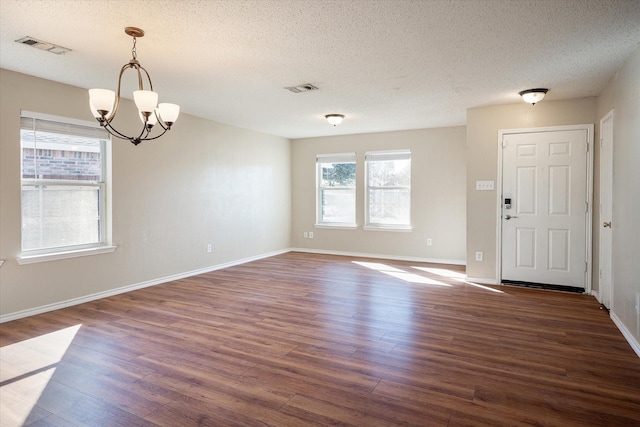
x=586, y=206
x=587, y=147
x=586, y=264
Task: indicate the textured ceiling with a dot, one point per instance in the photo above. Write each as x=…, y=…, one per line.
x=386, y=65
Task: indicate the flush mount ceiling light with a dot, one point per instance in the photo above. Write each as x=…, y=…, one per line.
x=334, y=119
x=533, y=95
x=104, y=103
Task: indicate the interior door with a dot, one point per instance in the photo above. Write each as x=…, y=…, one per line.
x=544, y=210
x=606, y=215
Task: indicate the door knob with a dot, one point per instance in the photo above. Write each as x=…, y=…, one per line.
x=508, y=217
x=606, y=224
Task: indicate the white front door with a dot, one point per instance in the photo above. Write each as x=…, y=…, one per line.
x=606, y=188
x=544, y=209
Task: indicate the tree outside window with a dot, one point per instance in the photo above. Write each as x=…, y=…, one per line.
x=336, y=191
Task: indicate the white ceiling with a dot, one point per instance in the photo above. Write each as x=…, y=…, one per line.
x=386, y=65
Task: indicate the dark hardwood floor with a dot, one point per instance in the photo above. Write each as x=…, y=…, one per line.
x=302, y=340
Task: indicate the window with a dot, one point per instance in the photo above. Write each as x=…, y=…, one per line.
x=388, y=190
x=336, y=192
x=63, y=167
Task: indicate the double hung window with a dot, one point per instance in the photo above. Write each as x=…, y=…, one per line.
x=63, y=169
x=388, y=190
x=336, y=190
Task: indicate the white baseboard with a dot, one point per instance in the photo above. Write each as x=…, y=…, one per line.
x=596, y=296
x=380, y=256
x=482, y=281
x=635, y=345
x=80, y=300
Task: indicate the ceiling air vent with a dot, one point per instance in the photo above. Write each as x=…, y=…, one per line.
x=301, y=88
x=46, y=46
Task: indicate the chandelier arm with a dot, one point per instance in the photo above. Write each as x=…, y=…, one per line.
x=140, y=67
x=142, y=132
x=161, y=122
x=117, y=102
x=157, y=136
x=113, y=131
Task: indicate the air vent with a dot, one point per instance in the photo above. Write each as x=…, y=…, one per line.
x=46, y=46
x=301, y=88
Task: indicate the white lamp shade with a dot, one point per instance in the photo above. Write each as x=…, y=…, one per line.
x=533, y=97
x=101, y=99
x=94, y=111
x=169, y=112
x=146, y=100
x=334, y=119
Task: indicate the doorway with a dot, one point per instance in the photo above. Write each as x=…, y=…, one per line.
x=606, y=210
x=545, y=214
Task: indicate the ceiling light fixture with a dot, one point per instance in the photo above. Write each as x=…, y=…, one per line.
x=104, y=103
x=334, y=119
x=533, y=95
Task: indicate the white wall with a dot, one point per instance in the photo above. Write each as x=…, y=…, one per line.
x=623, y=95
x=438, y=163
x=203, y=182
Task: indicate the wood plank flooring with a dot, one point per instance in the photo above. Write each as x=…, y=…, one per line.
x=302, y=340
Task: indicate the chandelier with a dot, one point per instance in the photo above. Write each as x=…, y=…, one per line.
x=104, y=103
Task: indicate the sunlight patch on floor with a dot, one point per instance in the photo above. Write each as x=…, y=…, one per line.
x=26, y=368
x=443, y=272
x=458, y=276
x=400, y=274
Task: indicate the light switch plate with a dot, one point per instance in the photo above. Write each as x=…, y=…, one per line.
x=484, y=185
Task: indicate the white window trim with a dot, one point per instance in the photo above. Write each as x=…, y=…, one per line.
x=342, y=226
x=58, y=255
x=333, y=158
x=387, y=227
x=380, y=156
x=105, y=246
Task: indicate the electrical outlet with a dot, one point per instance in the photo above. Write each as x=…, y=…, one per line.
x=305, y=235
x=479, y=255
x=209, y=247
x=311, y=234
x=429, y=242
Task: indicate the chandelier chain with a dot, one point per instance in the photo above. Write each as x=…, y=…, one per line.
x=133, y=49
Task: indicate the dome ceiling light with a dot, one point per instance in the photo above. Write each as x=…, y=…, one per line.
x=533, y=95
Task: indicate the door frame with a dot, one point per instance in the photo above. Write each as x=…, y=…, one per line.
x=589, y=220
x=609, y=116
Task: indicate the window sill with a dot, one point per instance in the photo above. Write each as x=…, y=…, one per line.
x=54, y=256
x=338, y=226
x=402, y=229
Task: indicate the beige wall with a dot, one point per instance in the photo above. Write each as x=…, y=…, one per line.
x=202, y=183
x=483, y=124
x=437, y=195
x=623, y=95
